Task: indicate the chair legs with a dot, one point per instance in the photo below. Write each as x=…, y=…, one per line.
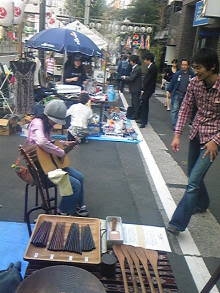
x=45, y=205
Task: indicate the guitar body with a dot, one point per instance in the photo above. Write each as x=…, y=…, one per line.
x=49, y=162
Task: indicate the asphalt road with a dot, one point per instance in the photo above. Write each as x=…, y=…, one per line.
x=117, y=182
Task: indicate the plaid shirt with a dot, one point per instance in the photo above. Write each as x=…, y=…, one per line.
x=207, y=119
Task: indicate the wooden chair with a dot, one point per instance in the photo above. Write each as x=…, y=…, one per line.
x=41, y=184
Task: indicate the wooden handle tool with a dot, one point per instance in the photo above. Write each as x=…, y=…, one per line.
x=131, y=267
x=121, y=259
x=152, y=256
x=131, y=251
x=142, y=257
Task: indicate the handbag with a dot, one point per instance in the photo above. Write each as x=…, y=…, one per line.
x=10, y=278
x=23, y=172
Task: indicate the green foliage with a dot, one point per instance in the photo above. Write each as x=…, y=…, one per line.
x=76, y=8
x=97, y=9
x=157, y=51
x=146, y=11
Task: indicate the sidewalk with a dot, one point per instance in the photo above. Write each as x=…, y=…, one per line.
x=168, y=182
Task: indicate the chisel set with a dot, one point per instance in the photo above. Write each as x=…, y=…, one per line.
x=139, y=260
x=79, y=239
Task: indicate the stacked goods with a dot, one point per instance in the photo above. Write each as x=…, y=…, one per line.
x=73, y=242
x=87, y=239
x=57, y=240
x=40, y=237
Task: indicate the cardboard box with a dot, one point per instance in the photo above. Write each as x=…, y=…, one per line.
x=25, y=120
x=7, y=126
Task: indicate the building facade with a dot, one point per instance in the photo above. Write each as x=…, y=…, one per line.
x=192, y=24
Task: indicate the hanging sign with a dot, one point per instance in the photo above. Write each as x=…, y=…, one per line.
x=6, y=12
x=198, y=18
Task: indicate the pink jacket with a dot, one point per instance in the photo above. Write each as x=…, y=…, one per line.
x=37, y=136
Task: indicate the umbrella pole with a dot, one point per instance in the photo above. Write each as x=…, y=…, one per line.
x=105, y=73
x=20, y=46
x=64, y=62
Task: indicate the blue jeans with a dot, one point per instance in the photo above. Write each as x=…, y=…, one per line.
x=195, y=194
x=69, y=204
x=175, y=107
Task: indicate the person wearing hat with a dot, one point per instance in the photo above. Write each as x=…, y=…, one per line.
x=39, y=134
x=74, y=73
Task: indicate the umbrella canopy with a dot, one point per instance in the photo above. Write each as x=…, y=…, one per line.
x=97, y=38
x=63, y=40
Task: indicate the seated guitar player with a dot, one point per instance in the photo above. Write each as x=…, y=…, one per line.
x=39, y=134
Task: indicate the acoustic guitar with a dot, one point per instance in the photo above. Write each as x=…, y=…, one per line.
x=49, y=162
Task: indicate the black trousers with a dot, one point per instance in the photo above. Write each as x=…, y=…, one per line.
x=135, y=103
x=144, y=107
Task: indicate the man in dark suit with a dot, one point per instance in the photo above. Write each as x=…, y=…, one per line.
x=135, y=85
x=149, y=85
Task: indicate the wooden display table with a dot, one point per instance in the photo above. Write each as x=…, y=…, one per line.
x=115, y=284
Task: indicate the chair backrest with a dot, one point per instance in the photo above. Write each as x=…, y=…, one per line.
x=30, y=156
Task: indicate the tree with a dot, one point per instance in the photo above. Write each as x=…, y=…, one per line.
x=147, y=11
x=97, y=8
x=76, y=8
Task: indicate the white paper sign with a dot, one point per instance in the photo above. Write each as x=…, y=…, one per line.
x=149, y=237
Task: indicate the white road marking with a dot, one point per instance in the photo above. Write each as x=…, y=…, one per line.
x=196, y=264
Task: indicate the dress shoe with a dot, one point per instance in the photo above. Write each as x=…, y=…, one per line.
x=142, y=125
x=199, y=210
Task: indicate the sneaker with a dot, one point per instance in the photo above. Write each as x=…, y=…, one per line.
x=199, y=210
x=59, y=212
x=82, y=212
x=172, y=229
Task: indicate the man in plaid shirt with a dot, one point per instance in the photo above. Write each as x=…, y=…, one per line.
x=203, y=92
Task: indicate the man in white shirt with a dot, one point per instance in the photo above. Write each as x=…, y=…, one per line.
x=80, y=115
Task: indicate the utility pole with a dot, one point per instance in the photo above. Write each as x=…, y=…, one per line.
x=86, y=12
x=42, y=27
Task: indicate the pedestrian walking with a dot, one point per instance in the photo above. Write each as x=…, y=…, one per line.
x=204, y=92
x=124, y=69
x=50, y=65
x=149, y=85
x=135, y=85
x=168, y=74
x=177, y=88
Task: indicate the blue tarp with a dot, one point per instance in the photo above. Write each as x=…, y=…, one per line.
x=14, y=240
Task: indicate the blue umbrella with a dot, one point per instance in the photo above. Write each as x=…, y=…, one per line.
x=63, y=40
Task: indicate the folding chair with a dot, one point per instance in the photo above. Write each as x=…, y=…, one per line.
x=41, y=186
x=4, y=90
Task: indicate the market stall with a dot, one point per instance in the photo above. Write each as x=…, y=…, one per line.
x=122, y=257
